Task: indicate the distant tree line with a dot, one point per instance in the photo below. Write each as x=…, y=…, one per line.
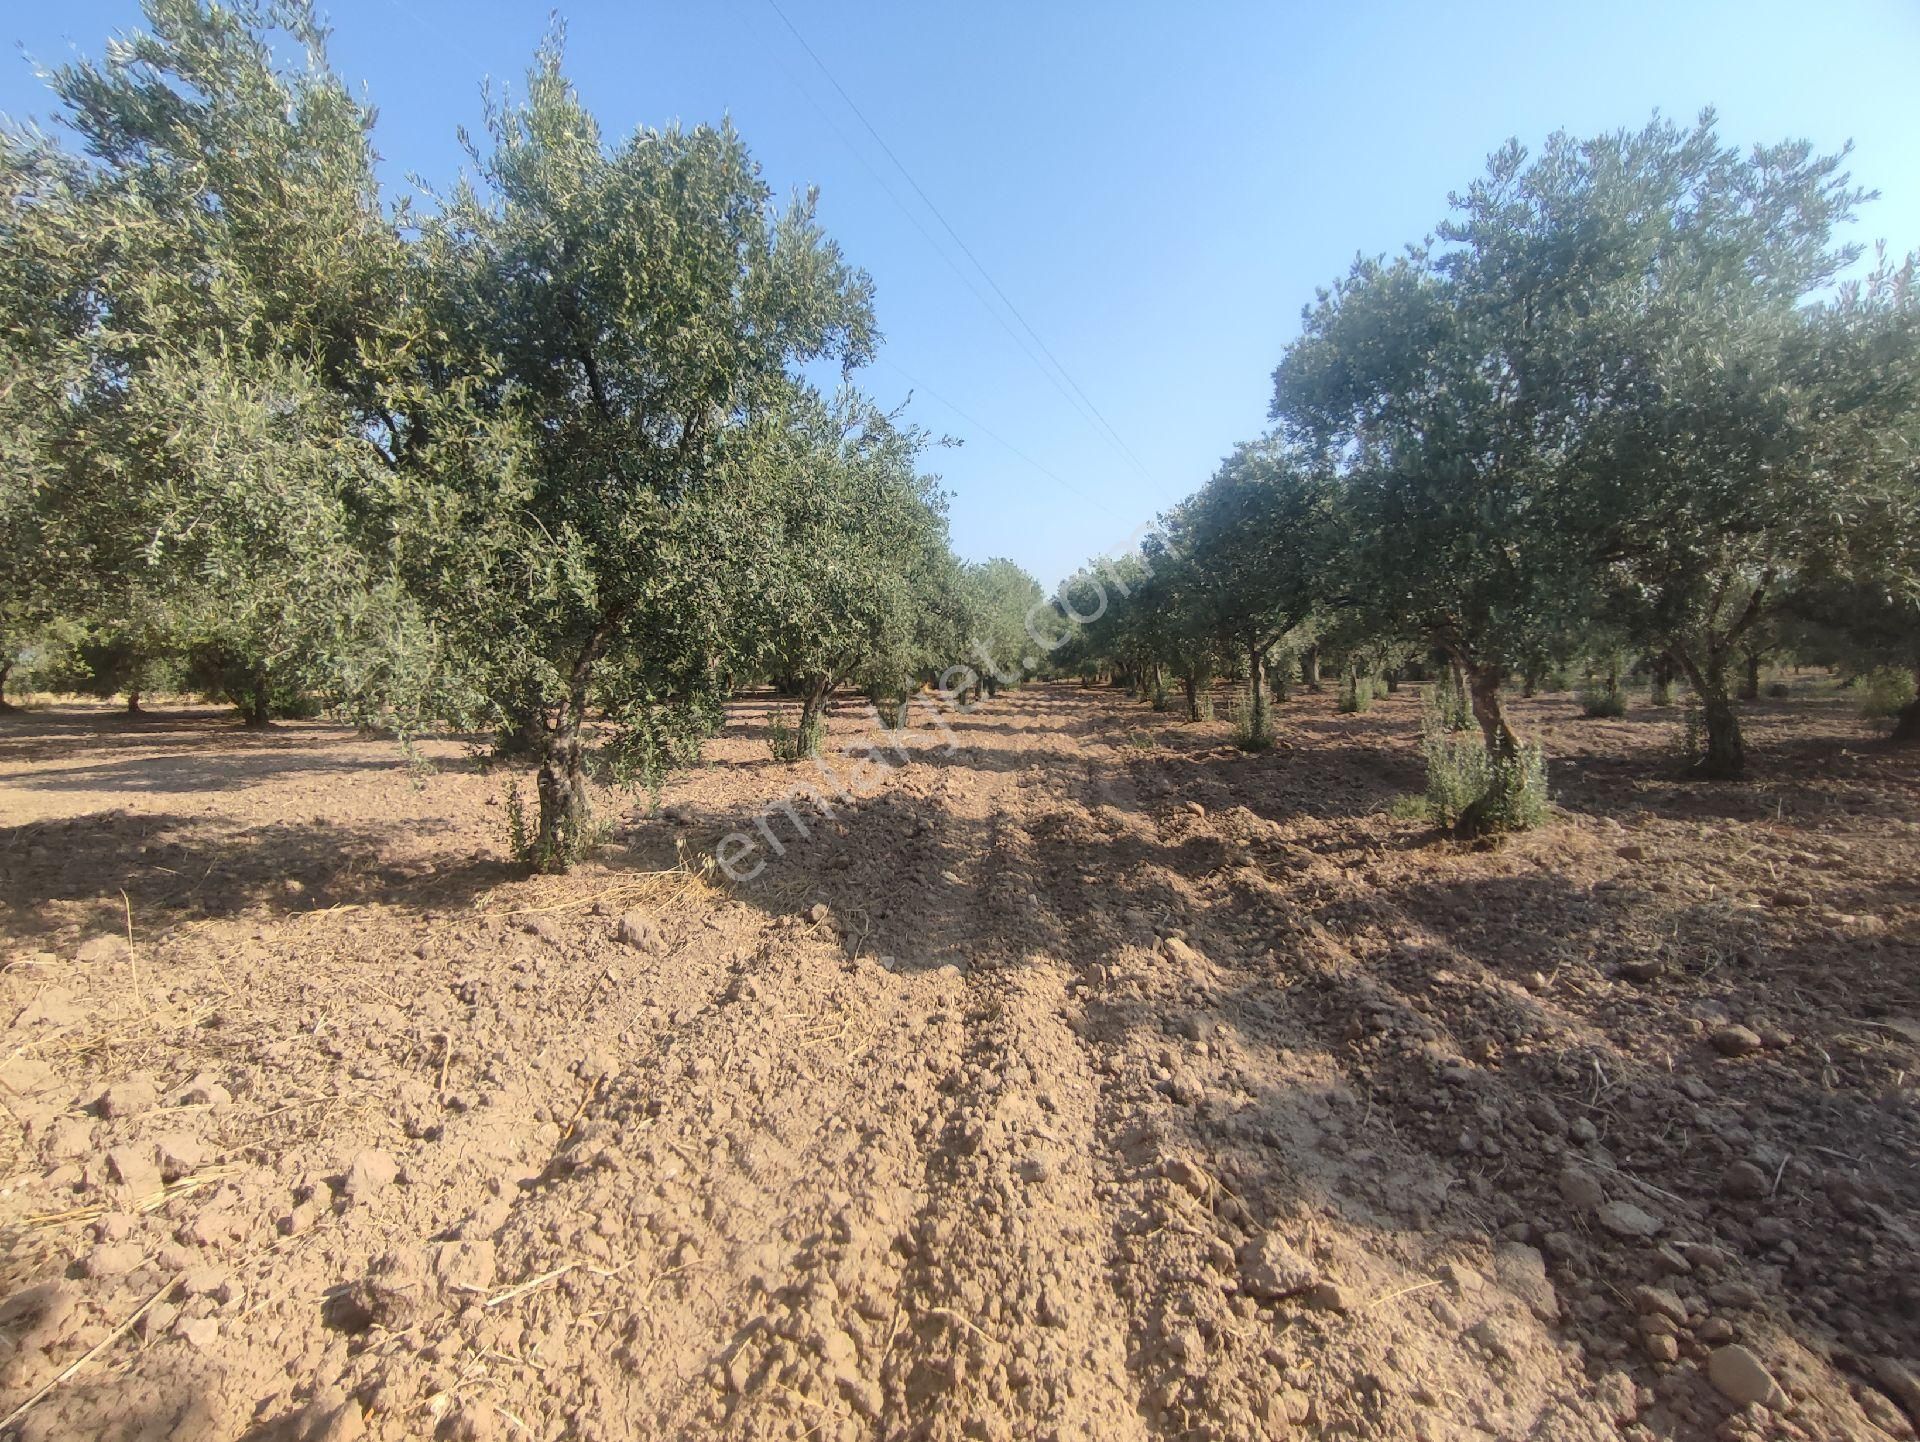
x=1625, y=408
x=536, y=456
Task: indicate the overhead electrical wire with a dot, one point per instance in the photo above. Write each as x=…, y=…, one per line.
x=1056, y=373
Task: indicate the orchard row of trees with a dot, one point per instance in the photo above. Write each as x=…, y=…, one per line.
x=537, y=455
x=1624, y=400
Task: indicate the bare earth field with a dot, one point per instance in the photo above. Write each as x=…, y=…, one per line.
x=1091, y=1080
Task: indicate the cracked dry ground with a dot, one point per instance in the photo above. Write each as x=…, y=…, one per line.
x=1090, y=1080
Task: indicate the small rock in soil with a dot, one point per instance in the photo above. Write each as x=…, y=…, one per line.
x=134, y=1166
x=1743, y=1380
x=114, y=1260
x=1272, y=1269
x=128, y=1098
x=1745, y=1181
x=1659, y=1302
x=1624, y=1219
x=371, y=1172
x=204, y=1090
x=636, y=929
x=178, y=1156
x=546, y=928
x=1735, y=1040
x=1581, y=1190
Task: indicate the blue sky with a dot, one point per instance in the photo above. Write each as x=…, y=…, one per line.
x=1156, y=187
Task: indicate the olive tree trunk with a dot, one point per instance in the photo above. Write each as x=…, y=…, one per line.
x=819, y=691
x=1483, y=689
x=1662, y=671
x=1257, y=691
x=562, y=784
x=1725, y=758
x=565, y=811
x=1310, y=667
x=6, y=669
x=256, y=705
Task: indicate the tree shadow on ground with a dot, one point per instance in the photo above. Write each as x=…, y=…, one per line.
x=183, y=867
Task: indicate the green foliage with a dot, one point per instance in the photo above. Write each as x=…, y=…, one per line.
x=1410, y=808
x=1515, y=798
x=1599, y=699
x=1477, y=793
x=1457, y=773
x=1444, y=705
x=1690, y=736
x=551, y=451
x=794, y=742
x=521, y=837
x=1885, y=692
x=1283, y=665
x=655, y=738
x=1252, y=727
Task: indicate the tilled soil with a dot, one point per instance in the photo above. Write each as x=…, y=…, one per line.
x=1084, y=1078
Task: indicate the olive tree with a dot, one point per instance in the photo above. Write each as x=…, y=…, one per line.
x=1720, y=418
x=1414, y=381
x=1004, y=603
x=1254, y=548
x=626, y=309
x=216, y=437
x=846, y=544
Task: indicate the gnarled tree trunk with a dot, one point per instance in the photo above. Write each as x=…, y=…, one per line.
x=1662, y=673
x=1257, y=692
x=256, y=705
x=562, y=784
x=562, y=780
x=1483, y=689
x=1310, y=667
x=6, y=669
x=819, y=691
x=1725, y=758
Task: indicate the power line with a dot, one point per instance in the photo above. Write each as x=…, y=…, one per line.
x=927, y=200
x=933, y=243
x=986, y=430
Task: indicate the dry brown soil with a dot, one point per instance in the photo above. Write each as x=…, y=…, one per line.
x=1088, y=1080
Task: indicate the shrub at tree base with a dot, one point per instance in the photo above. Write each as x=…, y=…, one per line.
x=792, y=743
x=1885, y=692
x=1477, y=794
x=1252, y=730
x=1603, y=701
x=1444, y=705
